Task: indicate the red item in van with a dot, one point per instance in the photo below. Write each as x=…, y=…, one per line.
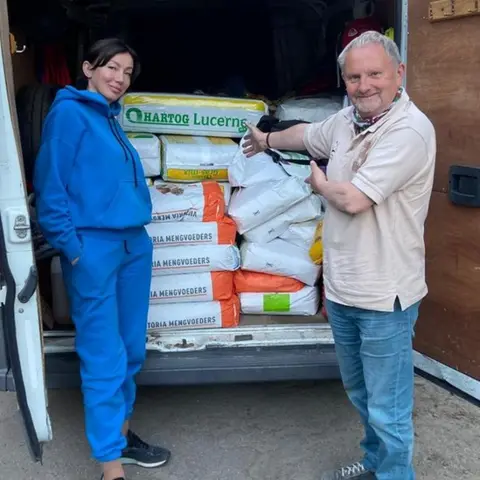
x=356, y=27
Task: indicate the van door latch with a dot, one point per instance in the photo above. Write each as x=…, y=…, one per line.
x=26, y=293
x=21, y=226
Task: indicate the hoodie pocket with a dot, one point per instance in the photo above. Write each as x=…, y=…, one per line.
x=129, y=208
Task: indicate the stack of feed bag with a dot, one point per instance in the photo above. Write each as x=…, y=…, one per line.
x=277, y=215
x=195, y=253
x=187, y=138
x=194, y=258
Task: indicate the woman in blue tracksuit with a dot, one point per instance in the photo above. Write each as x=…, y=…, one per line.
x=92, y=205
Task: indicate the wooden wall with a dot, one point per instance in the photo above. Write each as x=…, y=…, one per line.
x=443, y=79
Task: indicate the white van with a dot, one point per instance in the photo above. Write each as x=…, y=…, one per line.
x=263, y=348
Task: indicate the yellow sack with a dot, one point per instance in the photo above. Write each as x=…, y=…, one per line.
x=316, y=250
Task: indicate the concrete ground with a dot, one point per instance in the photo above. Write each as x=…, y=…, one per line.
x=247, y=432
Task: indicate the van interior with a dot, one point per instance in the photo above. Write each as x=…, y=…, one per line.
x=266, y=49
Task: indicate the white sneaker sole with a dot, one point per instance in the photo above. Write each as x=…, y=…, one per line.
x=131, y=461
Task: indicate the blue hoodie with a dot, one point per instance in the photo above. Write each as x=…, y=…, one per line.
x=87, y=173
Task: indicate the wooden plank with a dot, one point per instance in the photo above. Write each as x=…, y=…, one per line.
x=440, y=10
x=448, y=329
x=442, y=79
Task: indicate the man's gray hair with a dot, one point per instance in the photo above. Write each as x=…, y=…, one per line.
x=367, y=38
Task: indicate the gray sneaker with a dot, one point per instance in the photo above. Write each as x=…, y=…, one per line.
x=356, y=471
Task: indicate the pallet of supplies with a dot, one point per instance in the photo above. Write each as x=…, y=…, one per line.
x=217, y=314
x=191, y=287
x=190, y=202
x=308, y=209
x=176, y=234
x=189, y=114
x=193, y=159
x=255, y=205
x=280, y=258
x=246, y=281
x=303, y=302
x=148, y=148
x=195, y=259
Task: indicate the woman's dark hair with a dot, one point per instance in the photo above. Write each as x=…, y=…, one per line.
x=102, y=51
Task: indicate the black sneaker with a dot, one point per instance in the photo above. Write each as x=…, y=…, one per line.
x=356, y=471
x=142, y=454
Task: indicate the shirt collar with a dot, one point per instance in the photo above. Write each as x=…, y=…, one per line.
x=397, y=105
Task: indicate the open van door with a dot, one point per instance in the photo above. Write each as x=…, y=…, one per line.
x=19, y=311
x=442, y=78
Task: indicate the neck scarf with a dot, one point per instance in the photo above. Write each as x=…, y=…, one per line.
x=361, y=124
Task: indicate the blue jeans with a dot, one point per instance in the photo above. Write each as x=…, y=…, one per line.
x=375, y=356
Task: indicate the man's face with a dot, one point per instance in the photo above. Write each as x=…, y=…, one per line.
x=372, y=79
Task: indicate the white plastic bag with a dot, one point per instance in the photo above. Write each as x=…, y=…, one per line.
x=195, y=259
x=148, y=148
x=310, y=208
x=193, y=159
x=304, y=302
x=280, y=258
x=252, y=206
x=300, y=234
x=309, y=109
x=189, y=114
x=189, y=202
x=245, y=172
x=175, y=234
x=191, y=287
x=223, y=314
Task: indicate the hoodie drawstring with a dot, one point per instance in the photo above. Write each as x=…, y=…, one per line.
x=126, y=150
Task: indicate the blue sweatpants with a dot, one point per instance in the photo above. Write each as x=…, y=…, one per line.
x=375, y=355
x=109, y=291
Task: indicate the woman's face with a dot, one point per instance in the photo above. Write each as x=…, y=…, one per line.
x=113, y=79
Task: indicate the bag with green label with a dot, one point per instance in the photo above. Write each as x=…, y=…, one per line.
x=304, y=302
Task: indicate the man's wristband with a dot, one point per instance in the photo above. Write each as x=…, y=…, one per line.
x=266, y=140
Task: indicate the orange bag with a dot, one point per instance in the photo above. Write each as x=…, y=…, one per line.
x=255, y=282
x=179, y=234
x=188, y=202
x=217, y=314
x=191, y=287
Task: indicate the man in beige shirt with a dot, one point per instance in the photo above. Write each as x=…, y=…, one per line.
x=378, y=185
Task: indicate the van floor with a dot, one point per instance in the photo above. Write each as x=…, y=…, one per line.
x=278, y=329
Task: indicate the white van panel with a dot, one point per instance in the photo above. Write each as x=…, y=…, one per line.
x=15, y=219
